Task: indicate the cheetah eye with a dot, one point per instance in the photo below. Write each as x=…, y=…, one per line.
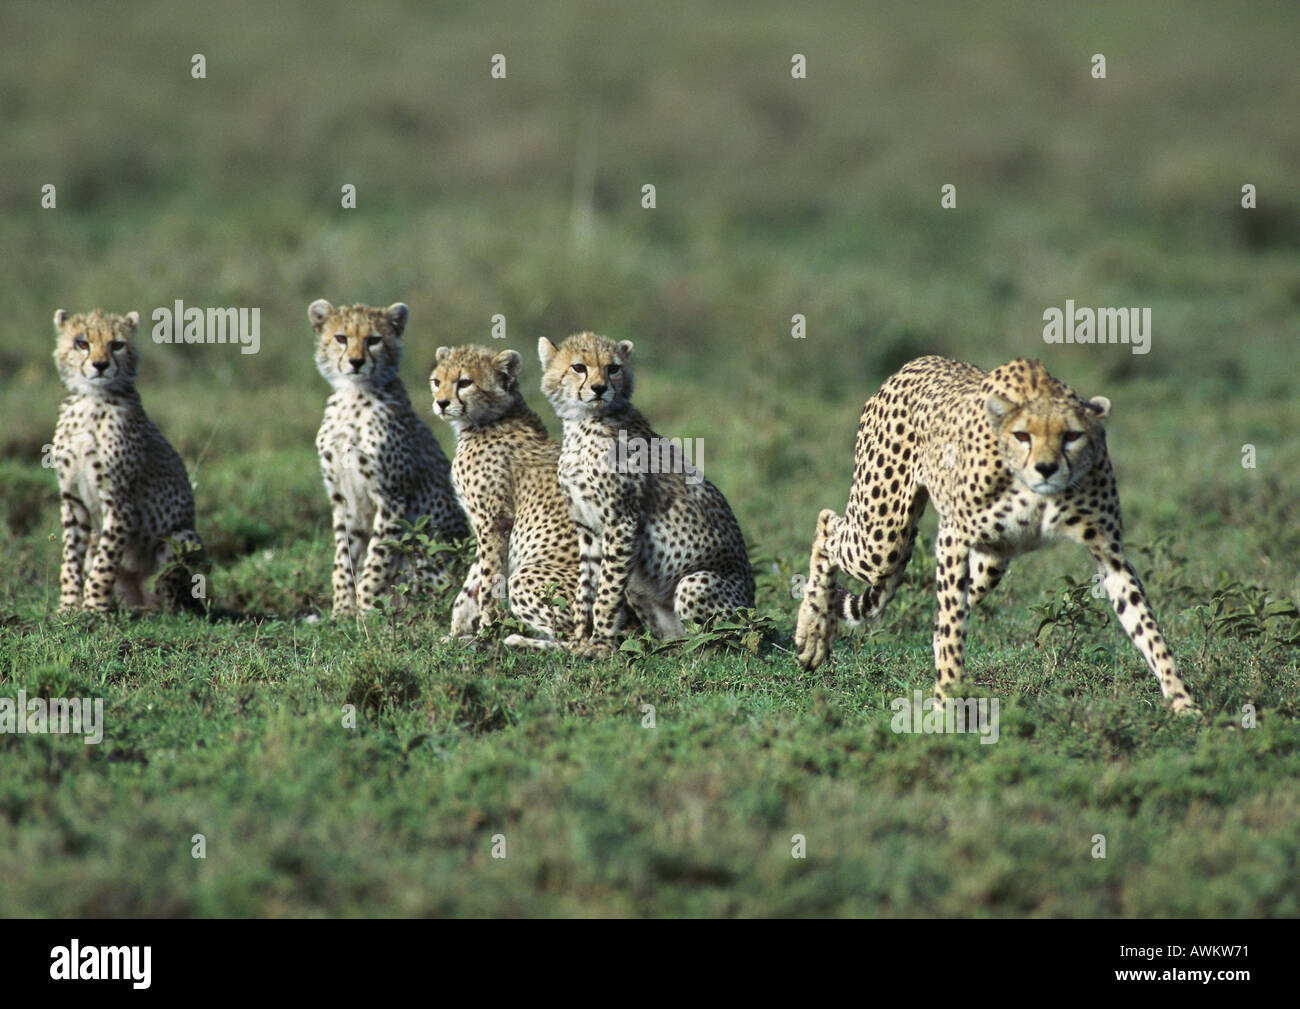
x=580, y=369
x=613, y=369
x=81, y=343
x=341, y=337
x=372, y=341
x=117, y=345
x=1021, y=436
x=1071, y=436
x=464, y=383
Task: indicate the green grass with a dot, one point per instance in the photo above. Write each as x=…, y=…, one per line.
x=775, y=197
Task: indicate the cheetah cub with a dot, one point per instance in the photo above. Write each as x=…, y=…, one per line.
x=505, y=477
x=664, y=542
x=381, y=463
x=126, y=501
x=1013, y=460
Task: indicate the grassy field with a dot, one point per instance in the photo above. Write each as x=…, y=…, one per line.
x=775, y=196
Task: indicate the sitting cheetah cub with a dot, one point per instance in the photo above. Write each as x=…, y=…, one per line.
x=664, y=542
x=126, y=499
x=381, y=463
x=505, y=477
x=1013, y=459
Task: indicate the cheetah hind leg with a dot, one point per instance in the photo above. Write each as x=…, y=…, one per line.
x=175, y=589
x=857, y=609
x=532, y=591
x=705, y=594
x=816, y=625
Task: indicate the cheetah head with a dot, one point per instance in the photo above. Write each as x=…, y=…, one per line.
x=358, y=345
x=94, y=352
x=586, y=375
x=1049, y=442
x=474, y=386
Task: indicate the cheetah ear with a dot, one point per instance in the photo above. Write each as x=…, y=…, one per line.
x=507, y=363
x=997, y=408
x=398, y=313
x=60, y=317
x=623, y=350
x=546, y=352
x=441, y=354
x=318, y=311
x=133, y=320
x=1099, y=406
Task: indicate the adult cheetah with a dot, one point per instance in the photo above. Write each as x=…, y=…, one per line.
x=664, y=543
x=126, y=500
x=504, y=473
x=1013, y=459
x=380, y=462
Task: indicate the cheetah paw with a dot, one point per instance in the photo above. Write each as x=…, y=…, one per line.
x=813, y=636
x=1183, y=705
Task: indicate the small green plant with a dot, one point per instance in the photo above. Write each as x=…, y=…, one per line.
x=418, y=548
x=1073, y=610
x=184, y=578
x=1251, y=613
x=746, y=631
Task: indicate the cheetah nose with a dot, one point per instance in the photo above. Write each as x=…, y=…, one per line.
x=102, y=366
x=443, y=404
x=356, y=362
x=599, y=390
x=1047, y=468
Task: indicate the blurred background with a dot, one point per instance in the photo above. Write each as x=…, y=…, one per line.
x=775, y=196
x=521, y=197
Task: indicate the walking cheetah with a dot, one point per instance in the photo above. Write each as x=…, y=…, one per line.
x=1013, y=459
x=381, y=463
x=664, y=542
x=126, y=501
x=504, y=473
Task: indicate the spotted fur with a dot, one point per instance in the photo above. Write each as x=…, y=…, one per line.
x=380, y=462
x=504, y=473
x=1013, y=459
x=667, y=546
x=126, y=501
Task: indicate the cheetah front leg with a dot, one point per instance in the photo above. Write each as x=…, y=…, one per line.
x=986, y=570
x=816, y=625
x=618, y=546
x=588, y=581
x=952, y=586
x=347, y=543
x=76, y=538
x=382, y=558
x=465, y=611
x=1129, y=600
x=109, y=549
x=493, y=559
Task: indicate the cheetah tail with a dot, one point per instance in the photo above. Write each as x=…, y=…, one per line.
x=854, y=609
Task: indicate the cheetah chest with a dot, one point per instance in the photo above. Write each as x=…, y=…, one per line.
x=351, y=473
x=83, y=454
x=1018, y=522
x=583, y=476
